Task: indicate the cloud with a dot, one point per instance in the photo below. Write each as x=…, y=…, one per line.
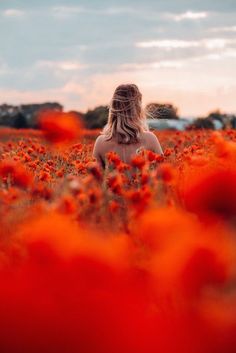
x=216, y=43
x=225, y=54
x=63, y=12
x=223, y=29
x=118, y=11
x=169, y=44
x=188, y=15
x=14, y=13
x=181, y=63
x=153, y=65
x=61, y=65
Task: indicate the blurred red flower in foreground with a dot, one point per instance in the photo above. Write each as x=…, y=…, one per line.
x=113, y=157
x=17, y=172
x=138, y=161
x=102, y=262
x=212, y=193
x=60, y=127
x=166, y=172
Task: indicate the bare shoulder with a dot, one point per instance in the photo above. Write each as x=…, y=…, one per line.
x=101, y=144
x=149, y=136
x=152, y=142
x=98, y=144
x=100, y=139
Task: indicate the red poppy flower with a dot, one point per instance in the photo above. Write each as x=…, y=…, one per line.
x=138, y=161
x=60, y=127
x=113, y=157
x=212, y=192
x=19, y=175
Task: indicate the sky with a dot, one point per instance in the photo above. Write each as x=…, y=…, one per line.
x=77, y=51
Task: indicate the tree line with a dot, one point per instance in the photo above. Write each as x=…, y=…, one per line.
x=27, y=115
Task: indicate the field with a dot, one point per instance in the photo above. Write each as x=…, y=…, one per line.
x=139, y=260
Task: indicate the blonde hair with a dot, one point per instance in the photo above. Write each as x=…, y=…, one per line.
x=126, y=118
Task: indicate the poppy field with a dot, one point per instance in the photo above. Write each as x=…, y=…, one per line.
x=140, y=258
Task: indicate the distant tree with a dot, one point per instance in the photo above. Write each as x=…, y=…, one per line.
x=79, y=115
x=233, y=122
x=202, y=123
x=216, y=114
x=32, y=111
x=96, y=118
x=161, y=111
x=19, y=121
x=225, y=119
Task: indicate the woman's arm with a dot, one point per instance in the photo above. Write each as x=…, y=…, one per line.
x=97, y=152
x=154, y=144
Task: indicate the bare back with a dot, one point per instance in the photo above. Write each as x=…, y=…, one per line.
x=148, y=141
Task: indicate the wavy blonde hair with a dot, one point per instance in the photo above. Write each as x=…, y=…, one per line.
x=126, y=118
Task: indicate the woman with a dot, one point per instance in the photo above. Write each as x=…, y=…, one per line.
x=126, y=131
